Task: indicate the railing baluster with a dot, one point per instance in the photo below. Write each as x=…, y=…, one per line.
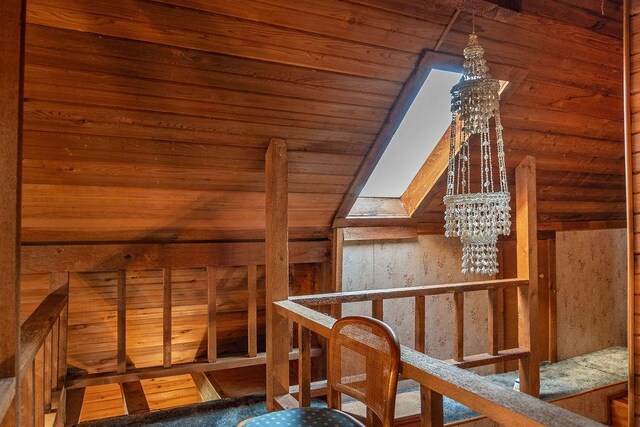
x=431, y=409
x=212, y=337
x=38, y=389
x=458, y=329
x=492, y=322
x=304, y=367
x=252, y=324
x=377, y=309
x=166, y=317
x=121, y=363
x=47, y=372
x=420, y=324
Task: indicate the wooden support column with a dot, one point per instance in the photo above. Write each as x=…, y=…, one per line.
x=38, y=366
x=431, y=409
x=377, y=309
x=527, y=261
x=166, y=319
x=336, y=263
x=277, y=269
x=212, y=337
x=252, y=317
x=420, y=324
x=492, y=322
x=12, y=21
x=458, y=326
x=121, y=362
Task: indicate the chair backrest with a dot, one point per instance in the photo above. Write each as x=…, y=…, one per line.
x=364, y=360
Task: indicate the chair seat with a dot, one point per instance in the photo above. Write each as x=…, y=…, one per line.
x=310, y=417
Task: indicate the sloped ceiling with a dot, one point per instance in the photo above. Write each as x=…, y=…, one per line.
x=148, y=120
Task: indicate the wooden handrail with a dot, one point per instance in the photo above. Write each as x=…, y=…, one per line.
x=501, y=404
x=391, y=293
x=36, y=328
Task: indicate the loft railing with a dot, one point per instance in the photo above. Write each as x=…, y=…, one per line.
x=458, y=290
x=436, y=378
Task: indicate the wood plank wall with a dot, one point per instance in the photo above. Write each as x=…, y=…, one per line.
x=93, y=304
x=632, y=75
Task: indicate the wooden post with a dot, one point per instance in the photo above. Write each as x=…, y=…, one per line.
x=527, y=259
x=553, y=302
x=304, y=367
x=166, y=317
x=252, y=307
x=431, y=409
x=377, y=309
x=277, y=269
x=492, y=322
x=420, y=324
x=458, y=326
x=336, y=263
x=212, y=337
x=121, y=366
x=12, y=21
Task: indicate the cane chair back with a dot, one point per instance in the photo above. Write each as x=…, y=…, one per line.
x=364, y=360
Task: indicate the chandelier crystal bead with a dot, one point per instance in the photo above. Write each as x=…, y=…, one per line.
x=477, y=218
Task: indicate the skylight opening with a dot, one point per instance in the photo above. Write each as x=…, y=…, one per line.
x=422, y=127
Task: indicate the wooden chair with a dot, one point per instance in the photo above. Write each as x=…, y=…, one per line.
x=364, y=360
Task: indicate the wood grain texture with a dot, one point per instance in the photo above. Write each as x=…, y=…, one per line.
x=527, y=267
x=12, y=26
x=277, y=269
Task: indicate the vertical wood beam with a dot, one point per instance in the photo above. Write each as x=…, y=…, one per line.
x=458, y=326
x=492, y=322
x=377, y=309
x=277, y=268
x=252, y=307
x=166, y=318
x=336, y=263
x=527, y=261
x=304, y=367
x=553, y=302
x=38, y=388
x=212, y=292
x=121, y=362
x=431, y=409
x=420, y=324
x=47, y=372
x=12, y=22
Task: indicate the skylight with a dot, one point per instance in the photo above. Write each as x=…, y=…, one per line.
x=423, y=125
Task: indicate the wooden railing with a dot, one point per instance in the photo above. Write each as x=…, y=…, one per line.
x=377, y=297
x=437, y=379
x=43, y=354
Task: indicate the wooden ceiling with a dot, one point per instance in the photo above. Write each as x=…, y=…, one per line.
x=148, y=120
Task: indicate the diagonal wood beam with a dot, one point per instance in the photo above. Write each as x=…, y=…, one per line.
x=134, y=399
x=208, y=387
x=500, y=10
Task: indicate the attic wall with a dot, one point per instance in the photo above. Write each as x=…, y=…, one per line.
x=425, y=260
x=592, y=290
x=590, y=280
x=92, y=334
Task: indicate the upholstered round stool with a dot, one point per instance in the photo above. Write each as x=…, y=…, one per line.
x=311, y=417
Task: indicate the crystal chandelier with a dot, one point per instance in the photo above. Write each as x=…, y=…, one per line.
x=477, y=218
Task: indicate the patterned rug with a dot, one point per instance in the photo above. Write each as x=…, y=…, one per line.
x=559, y=379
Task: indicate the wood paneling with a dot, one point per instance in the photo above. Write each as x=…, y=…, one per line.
x=149, y=121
